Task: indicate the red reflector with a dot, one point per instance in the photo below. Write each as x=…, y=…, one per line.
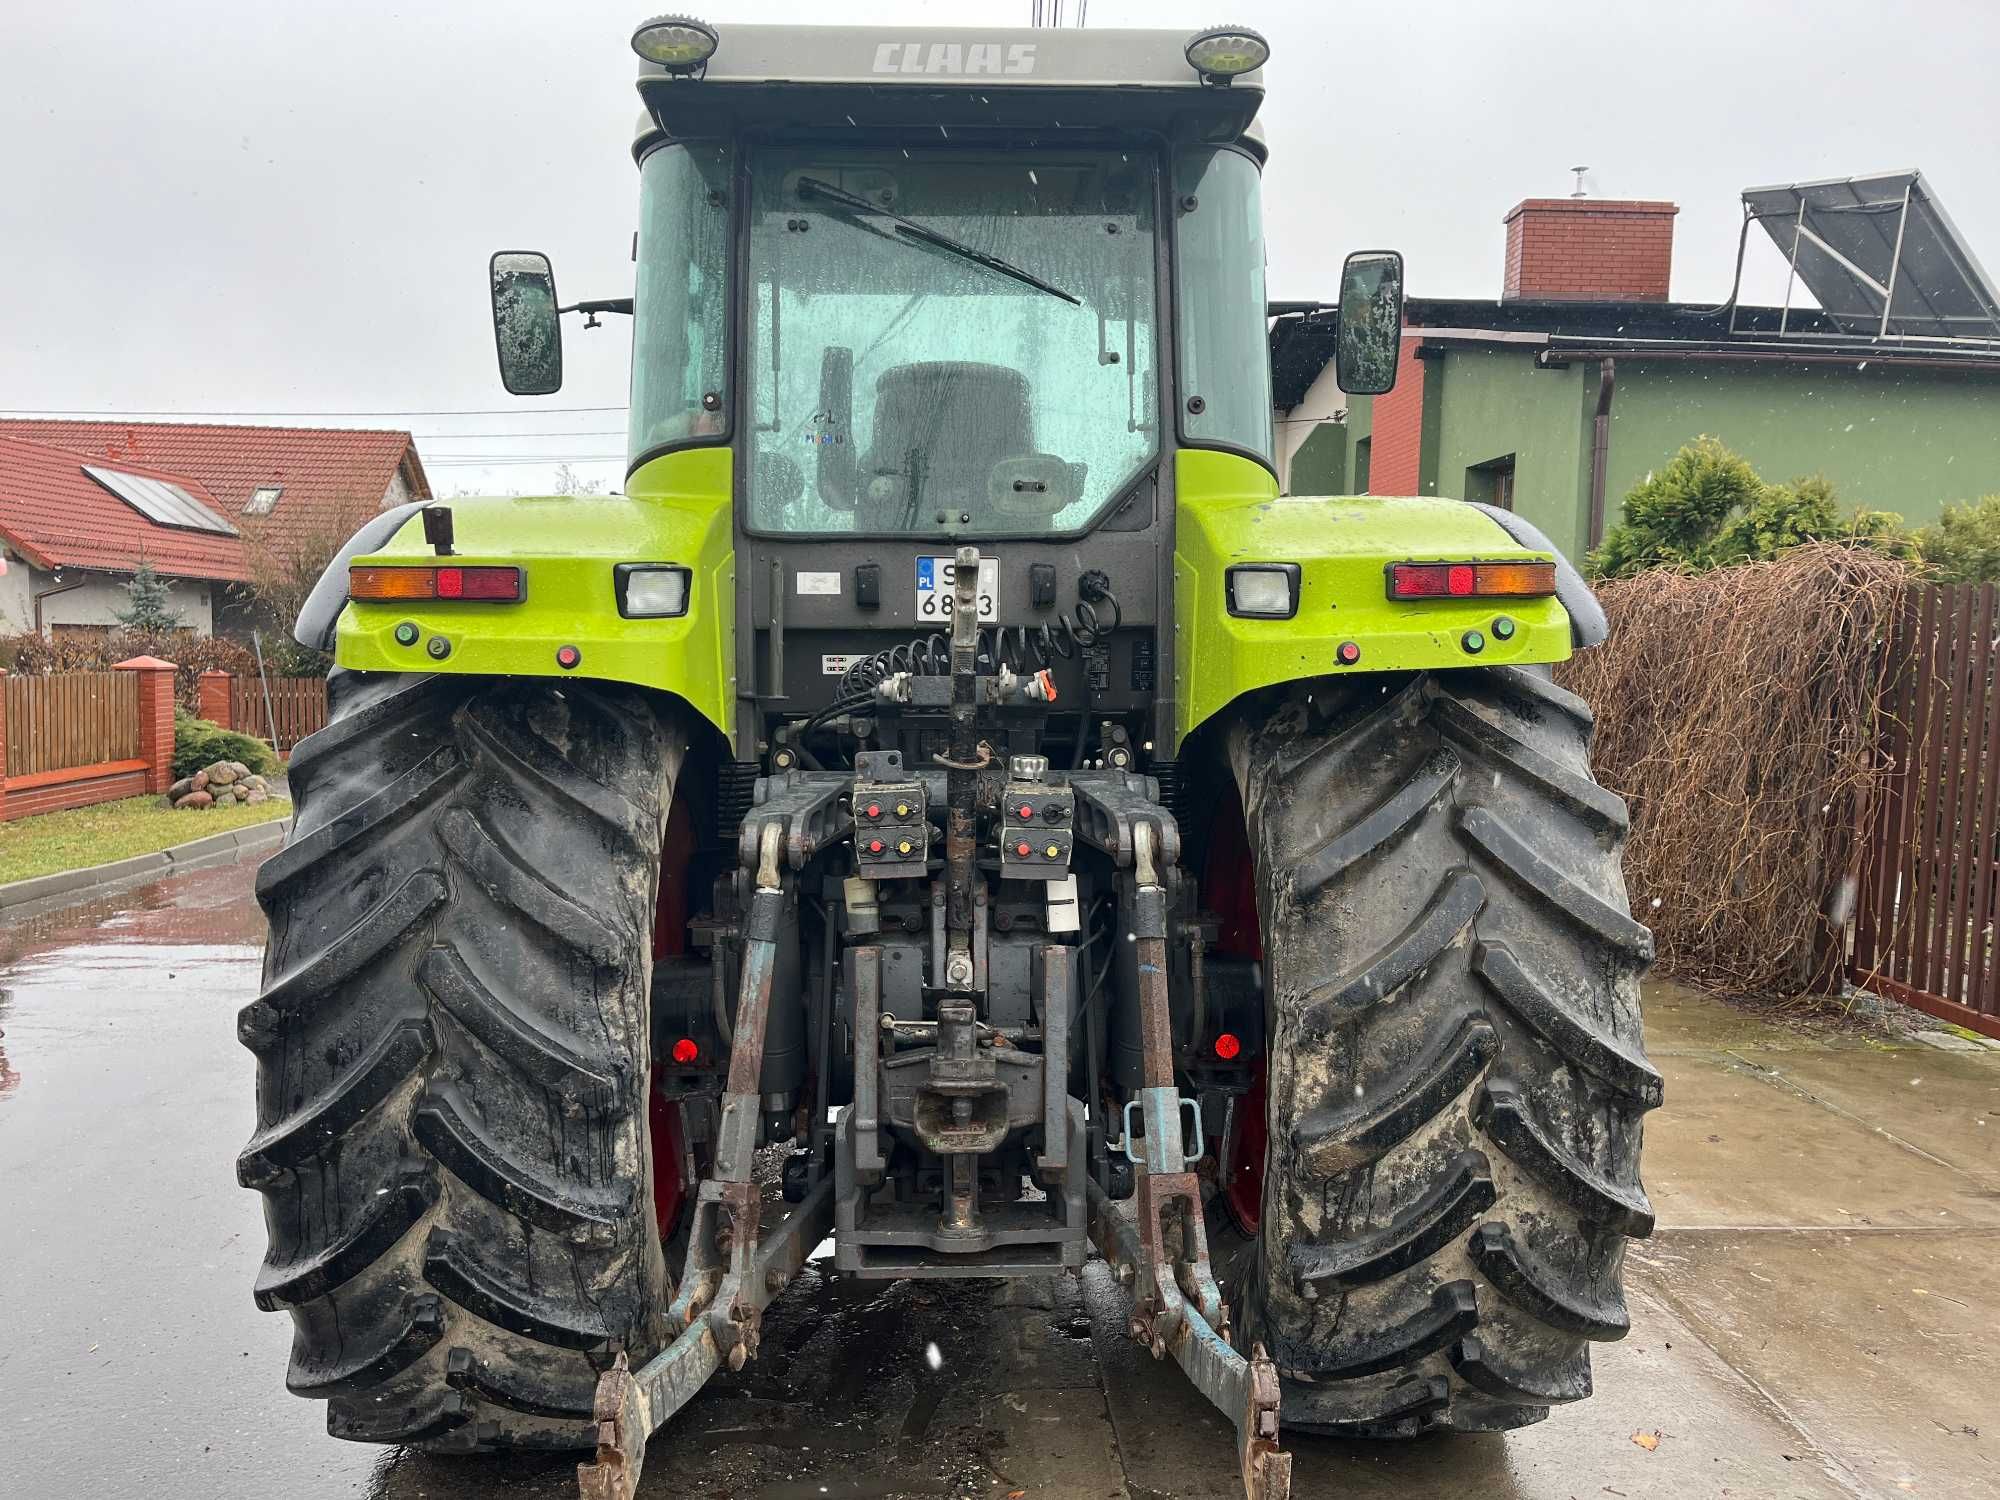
x=685, y=1051
x=498, y=584
x=567, y=657
x=1458, y=578
x=1416, y=580
x=1348, y=652
x=1227, y=1046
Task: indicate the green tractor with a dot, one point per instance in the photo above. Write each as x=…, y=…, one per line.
x=951, y=803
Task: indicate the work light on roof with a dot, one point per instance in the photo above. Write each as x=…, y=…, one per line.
x=680, y=44
x=1227, y=52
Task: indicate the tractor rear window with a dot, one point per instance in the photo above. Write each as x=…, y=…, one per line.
x=948, y=340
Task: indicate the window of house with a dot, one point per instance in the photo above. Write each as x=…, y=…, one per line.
x=1492, y=483
x=1362, y=453
x=263, y=500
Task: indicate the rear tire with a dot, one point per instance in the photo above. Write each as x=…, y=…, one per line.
x=452, y=1056
x=1456, y=1075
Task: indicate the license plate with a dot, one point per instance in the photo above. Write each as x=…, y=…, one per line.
x=936, y=578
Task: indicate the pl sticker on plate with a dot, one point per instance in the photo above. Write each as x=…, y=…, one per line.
x=935, y=587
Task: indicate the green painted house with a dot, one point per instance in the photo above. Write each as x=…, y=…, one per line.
x=1558, y=398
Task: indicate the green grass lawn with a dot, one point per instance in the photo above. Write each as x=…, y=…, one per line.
x=115, y=830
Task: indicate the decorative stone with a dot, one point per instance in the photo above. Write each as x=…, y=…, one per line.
x=222, y=773
x=199, y=781
x=196, y=799
x=180, y=788
x=257, y=794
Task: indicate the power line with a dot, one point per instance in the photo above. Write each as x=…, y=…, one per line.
x=432, y=437
x=539, y=458
x=149, y=412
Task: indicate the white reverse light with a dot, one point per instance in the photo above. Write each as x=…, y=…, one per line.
x=680, y=44
x=648, y=591
x=1226, y=52
x=1264, y=591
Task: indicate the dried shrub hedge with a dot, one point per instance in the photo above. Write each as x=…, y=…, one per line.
x=1738, y=715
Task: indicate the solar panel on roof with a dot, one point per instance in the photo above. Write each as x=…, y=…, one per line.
x=1880, y=256
x=160, y=500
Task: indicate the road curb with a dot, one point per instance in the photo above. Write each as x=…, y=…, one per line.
x=216, y=848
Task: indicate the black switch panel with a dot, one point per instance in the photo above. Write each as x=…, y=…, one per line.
x=868, y=585
x=1042, y=585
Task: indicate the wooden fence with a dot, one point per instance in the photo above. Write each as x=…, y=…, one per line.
x=1930, y=897
x=71, y=719
x=298, y=708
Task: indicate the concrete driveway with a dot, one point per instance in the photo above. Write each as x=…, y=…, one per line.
x=1815, y=1317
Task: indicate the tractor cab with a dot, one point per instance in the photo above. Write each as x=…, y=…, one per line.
x=931, y=290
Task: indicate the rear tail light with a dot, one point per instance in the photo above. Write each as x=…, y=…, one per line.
x=1471, y=580
x=477, y=585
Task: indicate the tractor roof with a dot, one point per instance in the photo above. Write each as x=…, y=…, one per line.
x=899, y=79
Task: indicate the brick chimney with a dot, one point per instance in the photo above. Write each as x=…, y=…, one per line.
x=1589, y=250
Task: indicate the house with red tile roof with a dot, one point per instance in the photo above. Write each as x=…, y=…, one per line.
x=74, y=528
x=291, y=484
x=270, y=491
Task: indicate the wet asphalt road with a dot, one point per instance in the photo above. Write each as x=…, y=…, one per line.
x=1796, y=1332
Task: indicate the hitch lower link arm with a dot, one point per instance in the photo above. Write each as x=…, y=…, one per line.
x=730, y=1277
x=1177, y=1306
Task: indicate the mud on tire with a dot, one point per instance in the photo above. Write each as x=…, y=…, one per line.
x=1456, y=1074
x=452, y=1056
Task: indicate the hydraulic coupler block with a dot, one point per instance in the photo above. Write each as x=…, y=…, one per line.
x=892, y=827
x=1037, y=822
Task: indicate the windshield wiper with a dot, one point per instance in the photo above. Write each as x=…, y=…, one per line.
x=813, y=187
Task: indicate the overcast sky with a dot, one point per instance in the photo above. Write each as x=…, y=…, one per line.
x=209, y=206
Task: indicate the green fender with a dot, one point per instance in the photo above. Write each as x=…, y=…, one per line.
x=676, y=511
x=1229, y=511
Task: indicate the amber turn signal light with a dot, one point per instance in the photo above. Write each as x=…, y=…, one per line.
x=451, y=584
x=1471, y=580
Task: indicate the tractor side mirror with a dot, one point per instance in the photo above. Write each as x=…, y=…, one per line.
x=1371, y=322
x=526, y=330
x=835, y=461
